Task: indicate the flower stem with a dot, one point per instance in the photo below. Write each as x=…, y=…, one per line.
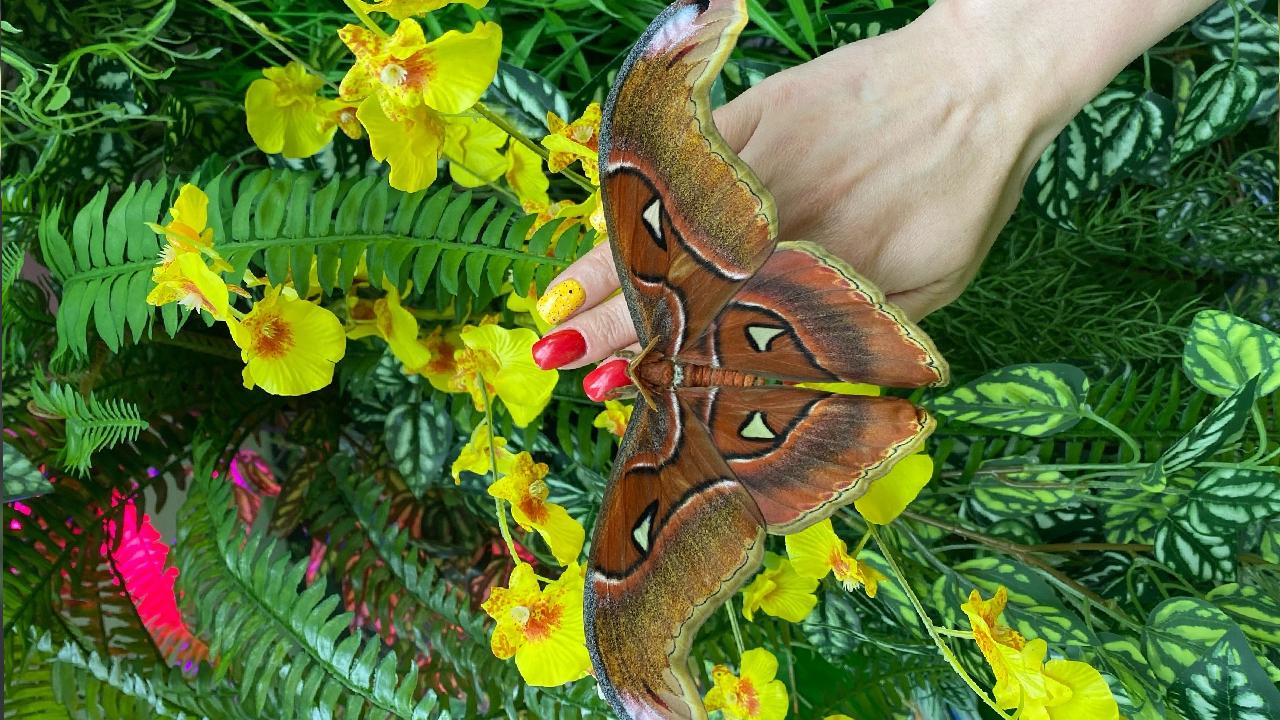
x=523, y=139
x=503, y=527
x=733, y=623
x=943, y=648
x=356, y=7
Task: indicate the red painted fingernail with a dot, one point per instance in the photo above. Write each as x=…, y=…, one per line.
x=559, y=348
x=605, y=379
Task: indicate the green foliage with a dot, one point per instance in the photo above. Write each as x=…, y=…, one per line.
x=1034, y=400
x=281, y=221
x=22, y=479
x=252, y=593
x=90, y=425
x=1129, y=508
x=1224, y=351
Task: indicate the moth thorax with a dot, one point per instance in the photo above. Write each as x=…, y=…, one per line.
x=656, y=373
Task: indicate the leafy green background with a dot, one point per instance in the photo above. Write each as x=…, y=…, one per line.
x=1137, y=288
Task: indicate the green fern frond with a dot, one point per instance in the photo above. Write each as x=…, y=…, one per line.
x=402, y=591
x=247, y=599
x=91, y=425
x=280, y=221
x=11, y=259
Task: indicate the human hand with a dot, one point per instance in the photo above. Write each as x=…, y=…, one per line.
x=903, y=154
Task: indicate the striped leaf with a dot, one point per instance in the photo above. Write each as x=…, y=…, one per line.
x=1221, y=426
x=1112, y=137
x=1219, y=104
x=1035, y=400
x=1000, y=492
x=1227, y=499
x=834, y=627
x=22, y=479
x=1223, y=686
x=1252, y=37
x=890, y=599
x=1193, y=554
x=418, y=437
x=1223, y=351
x=1257, y=612
x=1182, y=630
x=524, y=97
x=1123, y=655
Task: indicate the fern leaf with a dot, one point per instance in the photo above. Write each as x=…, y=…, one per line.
x=279, y=221
x=262, y=626
x=91, y=425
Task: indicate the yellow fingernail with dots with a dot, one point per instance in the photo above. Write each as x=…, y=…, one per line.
x=561, y=300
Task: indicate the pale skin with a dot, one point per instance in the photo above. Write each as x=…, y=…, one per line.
x=905, y=154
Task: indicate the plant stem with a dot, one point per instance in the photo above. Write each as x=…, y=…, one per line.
x=355, y=6
x=1026, y=554
x=943, y=648
x=523, y=139
x=733, y=623
x=1124, y=436
x=503, y=527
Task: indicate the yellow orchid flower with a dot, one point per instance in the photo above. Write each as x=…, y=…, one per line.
x=442, y=369
x=525, y=487
x=289, y=345
x=477, y=456
x=187, y=230
x=448, y=74
x=284, y=113
x=410, y=145
x=401, y=9
x=389, y=320
x=541, y=627
x=574, y=142
x=471, y=144
x=817, y=550
x=343, y=114
x=504, y=359
x=528, y=303
x=187, y=280
x=780, y=591
x=524, y=175
x=891, y=494
x=756, y=695
x=1057, y=690
x=614, y=417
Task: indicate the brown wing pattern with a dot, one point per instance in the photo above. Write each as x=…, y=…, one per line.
x=677, y=534
x=689, y=222
x=804, y=453
x=808, y=317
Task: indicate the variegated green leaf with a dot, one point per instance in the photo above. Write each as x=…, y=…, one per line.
x=1035, y=400
x=1223, y=351
x=1226, y=499
x=1250, y=36
x=1127, y=521
x=1112, y=137
x=22, y=479
x=1067, y=171
x=1001, y=492
x=418, y=438
x=1220, y=427
x=1220, y=102
x=1257, y=612
x=1142, y=692
x=834, y=627
x=1223, y=685
x=1181, y=630
x=1269, y=548
x=890, y=599
x=1193, y=554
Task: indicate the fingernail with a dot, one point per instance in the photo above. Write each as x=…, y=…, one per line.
x=559, y=348
x=605, y=379
x=561, y=300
